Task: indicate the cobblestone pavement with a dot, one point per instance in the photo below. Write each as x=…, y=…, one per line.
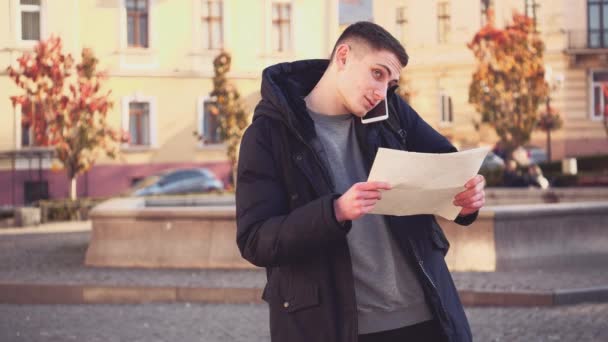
x=57, y=258
x=235, y=323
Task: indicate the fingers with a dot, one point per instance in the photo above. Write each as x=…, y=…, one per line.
x=366, y=186
x=363, y=195
x=473, y=198
x=473, y=186
x=359, y=200
x=367, y=203
x=469, y=201
x=475, y=181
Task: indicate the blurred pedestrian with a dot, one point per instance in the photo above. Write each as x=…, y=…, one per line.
x=536, y=177
x=512, y=176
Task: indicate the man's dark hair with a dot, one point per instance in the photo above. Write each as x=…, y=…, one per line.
x=374, y=36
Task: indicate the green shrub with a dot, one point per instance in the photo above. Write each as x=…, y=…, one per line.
x=66, y=210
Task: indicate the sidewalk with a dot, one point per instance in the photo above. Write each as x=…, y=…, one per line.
x=44, y=265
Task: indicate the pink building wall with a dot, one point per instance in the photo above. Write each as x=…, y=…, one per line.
x=100, y=181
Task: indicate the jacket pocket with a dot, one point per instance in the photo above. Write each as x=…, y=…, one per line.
x=291, y=295
x=306, y=296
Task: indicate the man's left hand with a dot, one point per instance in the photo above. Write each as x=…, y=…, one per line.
x=473, y=197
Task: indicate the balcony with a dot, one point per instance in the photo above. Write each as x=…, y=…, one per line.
x=587, y=48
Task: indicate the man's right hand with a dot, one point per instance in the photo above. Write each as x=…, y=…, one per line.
x=358, y=200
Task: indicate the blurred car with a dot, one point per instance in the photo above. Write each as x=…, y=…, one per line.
x=536, y=155
x=529, y=155
x=492, y=162
x=180, y=181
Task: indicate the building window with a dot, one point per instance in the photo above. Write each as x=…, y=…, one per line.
x=530, y=10
x=212, y=22
x=599, y=95
x=443, y=21
x=139, y=123
x=445, y=103
x=137, y=23
x=281, y=27
x=597, y=34
x=30, y=19
x=209, y=122
x=485, y=6
x=34, y=191
x=27, y=138
x=400, y=22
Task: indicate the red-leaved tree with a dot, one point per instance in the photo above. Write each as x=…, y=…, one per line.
x=63, y=111
x=509, y=84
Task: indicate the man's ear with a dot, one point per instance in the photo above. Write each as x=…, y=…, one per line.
x=341, y=56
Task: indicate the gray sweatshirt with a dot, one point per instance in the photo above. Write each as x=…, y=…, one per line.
x=388, y=293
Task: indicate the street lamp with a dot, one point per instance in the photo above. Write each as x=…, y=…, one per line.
x=550, y=119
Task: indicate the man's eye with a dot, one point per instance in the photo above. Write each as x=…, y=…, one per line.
x=377, y=73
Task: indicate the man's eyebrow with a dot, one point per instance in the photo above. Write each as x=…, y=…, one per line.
x=385, y=67
x=389, y=71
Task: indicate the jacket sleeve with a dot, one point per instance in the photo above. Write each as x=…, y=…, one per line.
x=421, y=137
x=268, y=233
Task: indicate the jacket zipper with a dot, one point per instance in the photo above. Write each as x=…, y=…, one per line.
x=312, y=150
x=421, y=265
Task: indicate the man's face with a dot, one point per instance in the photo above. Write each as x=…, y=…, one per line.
x=364, y=77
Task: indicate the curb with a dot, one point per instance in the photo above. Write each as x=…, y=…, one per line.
x=15, y=293
x=84, y=294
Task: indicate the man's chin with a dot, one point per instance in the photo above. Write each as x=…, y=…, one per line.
x=360, y=113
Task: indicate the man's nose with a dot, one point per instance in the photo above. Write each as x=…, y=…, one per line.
x=379, y=94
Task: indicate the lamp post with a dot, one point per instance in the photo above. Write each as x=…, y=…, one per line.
x=550, y=120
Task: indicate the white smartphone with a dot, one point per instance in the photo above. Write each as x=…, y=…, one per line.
x=378, y=113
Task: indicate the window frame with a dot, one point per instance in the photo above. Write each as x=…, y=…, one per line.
x=443, y=21
x=19, y=8
x=39, y=187
x=401, y=22
x=19, y=127
x=138, y=113
x=443, y=98
x=603, y=32
x=206, y=25
x=281, y=23
x=201, y=111
x=592, y=85
x=267, y=27
x=153, y=115
x=532, y=6
x=26, y=131
x=137, y=35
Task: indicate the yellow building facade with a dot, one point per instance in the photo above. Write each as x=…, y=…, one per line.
x=436, y=32
x=159, y=58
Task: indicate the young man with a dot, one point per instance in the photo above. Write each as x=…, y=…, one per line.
x=335, y=273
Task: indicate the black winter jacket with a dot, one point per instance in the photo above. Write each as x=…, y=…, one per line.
x=286, y=221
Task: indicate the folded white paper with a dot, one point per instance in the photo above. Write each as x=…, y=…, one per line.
x=423, y=183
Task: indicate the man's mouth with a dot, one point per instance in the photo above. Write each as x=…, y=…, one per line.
x=370, y=104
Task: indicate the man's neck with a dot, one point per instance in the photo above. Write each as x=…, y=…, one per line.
x=324, y=97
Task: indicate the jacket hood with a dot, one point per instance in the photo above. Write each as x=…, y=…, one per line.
x=283, y=89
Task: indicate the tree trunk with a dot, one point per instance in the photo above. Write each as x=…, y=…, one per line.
x=73, y=188
x=549, y=145
x=234, y=169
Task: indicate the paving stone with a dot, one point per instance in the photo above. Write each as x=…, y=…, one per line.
x=235, y=323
